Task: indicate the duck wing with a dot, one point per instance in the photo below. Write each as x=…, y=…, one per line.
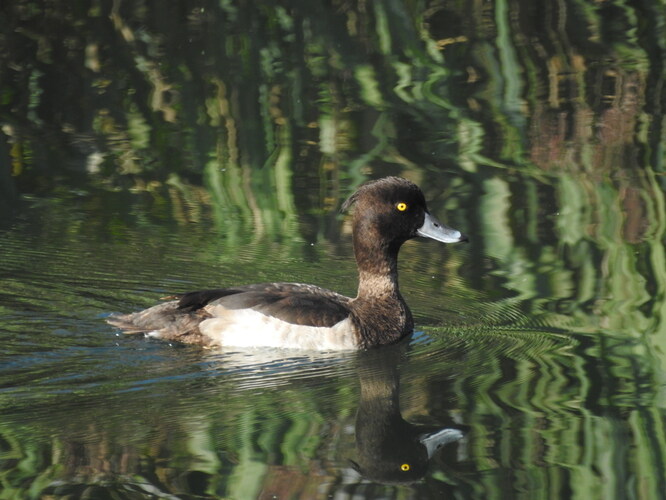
x=295, y=303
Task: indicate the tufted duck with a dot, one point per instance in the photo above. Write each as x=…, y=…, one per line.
x=387, y=213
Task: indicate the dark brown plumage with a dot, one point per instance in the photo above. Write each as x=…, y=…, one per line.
x=296, y=303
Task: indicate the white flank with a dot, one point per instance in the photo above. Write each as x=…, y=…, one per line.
x=248, y=328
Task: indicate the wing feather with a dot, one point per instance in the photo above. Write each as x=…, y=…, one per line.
x=294, y=303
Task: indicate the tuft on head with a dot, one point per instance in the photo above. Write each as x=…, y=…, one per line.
x=387, y=188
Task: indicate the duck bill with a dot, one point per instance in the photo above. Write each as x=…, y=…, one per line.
x=434, y=229
x=433, y=441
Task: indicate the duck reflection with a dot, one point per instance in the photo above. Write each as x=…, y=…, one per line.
x=229, y=431
x=390, y=449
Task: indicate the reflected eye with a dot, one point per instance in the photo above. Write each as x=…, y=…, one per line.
x=402, y=207
x=405, y=467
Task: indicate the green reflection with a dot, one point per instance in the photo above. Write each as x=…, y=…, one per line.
x=149, y=149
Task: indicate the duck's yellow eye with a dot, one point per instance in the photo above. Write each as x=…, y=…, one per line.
x=402, y=207
x=405, y=467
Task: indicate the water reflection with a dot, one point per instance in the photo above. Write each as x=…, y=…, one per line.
x=221, y=91
x=389, y=449
x=534, y=406
x=537, y=126
x=547, y=358
x=258, y=428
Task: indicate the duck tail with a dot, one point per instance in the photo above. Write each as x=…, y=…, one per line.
x=165, y=321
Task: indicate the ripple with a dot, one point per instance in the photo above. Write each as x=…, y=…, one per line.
x=270, y=368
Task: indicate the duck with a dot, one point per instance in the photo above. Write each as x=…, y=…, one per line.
x=387, y=212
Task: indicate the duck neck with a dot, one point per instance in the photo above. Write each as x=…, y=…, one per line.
x=381, y=314
x=378, y=270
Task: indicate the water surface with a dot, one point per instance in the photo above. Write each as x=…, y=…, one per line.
x=84, y=406
x=147, y=150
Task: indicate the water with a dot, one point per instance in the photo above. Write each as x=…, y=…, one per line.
x=212, y=144
x=86, y=407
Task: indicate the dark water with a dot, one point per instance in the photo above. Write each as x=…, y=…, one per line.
x=151, y=149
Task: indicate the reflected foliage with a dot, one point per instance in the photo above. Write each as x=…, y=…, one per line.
x=168, y=146
x=190, y=87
